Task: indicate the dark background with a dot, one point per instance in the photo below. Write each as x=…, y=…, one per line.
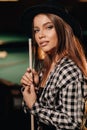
x=12, y=116
x=10, y=13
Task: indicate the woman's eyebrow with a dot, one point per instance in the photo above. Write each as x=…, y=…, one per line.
x=44, y=24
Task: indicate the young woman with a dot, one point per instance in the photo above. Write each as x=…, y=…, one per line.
x=55, y=94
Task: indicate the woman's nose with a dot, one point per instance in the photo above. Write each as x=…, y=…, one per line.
x=41, y=34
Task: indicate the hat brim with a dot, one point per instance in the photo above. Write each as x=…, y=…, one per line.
x=29, y=14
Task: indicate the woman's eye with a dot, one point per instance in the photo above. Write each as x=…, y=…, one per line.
x=36, y=30
x=50, y=26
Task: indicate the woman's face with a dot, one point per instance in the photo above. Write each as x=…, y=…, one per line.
x=45, y=33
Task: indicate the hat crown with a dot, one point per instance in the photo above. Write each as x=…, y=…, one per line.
x=49, y=7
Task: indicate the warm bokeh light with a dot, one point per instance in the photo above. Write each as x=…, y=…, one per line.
x=83, y=0
x=41, y=54
x=3, y=54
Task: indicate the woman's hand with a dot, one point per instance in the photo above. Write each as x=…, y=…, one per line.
x=29, y=95
x=29, y=81
x=30, y=77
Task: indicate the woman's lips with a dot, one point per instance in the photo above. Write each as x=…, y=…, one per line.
x=44, y=43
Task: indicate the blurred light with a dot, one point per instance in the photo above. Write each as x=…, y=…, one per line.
x=1, y=42
x=41, y=54
x=83, y=0
x=3, y=54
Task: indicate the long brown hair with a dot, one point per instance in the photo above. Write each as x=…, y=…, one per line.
x=68, y=43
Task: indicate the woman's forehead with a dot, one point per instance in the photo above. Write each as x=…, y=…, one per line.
x=41, y=19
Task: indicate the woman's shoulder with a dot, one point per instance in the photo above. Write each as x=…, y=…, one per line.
x=68, y=66
x=68, y=62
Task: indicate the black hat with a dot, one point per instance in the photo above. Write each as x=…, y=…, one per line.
x=49, y=8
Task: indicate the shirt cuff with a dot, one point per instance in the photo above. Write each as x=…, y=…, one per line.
x=35, y=109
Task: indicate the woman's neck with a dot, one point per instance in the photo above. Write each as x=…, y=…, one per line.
x=49, y=69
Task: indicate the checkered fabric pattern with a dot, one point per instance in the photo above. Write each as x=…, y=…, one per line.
x=61, y=102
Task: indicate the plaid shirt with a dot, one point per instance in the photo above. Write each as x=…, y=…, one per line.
x=61, y=102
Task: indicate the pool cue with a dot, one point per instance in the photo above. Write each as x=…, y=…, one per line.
x=30, y=65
